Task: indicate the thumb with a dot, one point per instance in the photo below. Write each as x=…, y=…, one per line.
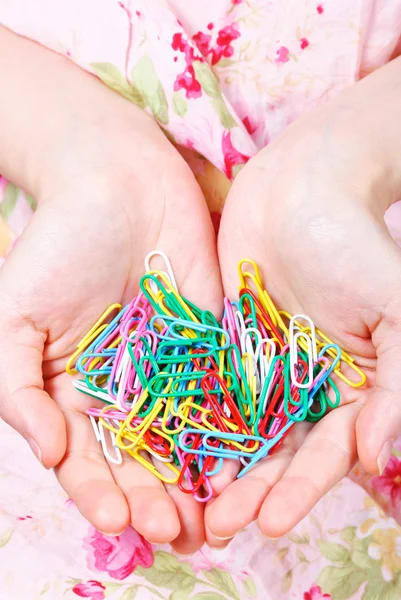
x=379, y=422
x=189, y=240
x=24, y=404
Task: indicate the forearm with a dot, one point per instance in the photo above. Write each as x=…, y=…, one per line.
x=55, y=117
x=367, y=119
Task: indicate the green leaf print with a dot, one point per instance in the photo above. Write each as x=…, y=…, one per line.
x=236, y=169
x=147, y=82
x=168, y=572
x=112, y=587
x=250, y=587
x=360, y=556
x=287, y=581
x=225, y=117
x=223, y=581
x=6, y=536
x=299, y=539
x=9, y=201
x=207, y=79
x=301, y=556
x=348, y=534
x=211, y=87
x=180, y=105
x=112, y=77
x=334, y=552
x=183, y=593
x=282, y=553
x=341, y=582
x=45, y=589
x=31, y=202
x=225, y=62
x=130, y=593
x=380, y=590
x=73, y=582
x=208, y=596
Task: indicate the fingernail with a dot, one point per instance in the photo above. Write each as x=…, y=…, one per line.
x=111, y=534
x=271, y=539
x=384, y=456
x=35, y=449
x=224, y=539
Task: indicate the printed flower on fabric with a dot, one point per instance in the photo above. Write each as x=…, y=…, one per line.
x=207, y=560
x=282, y=55
x=315, y=593
x=118, y=556
x=91, y=589
x=232, y=157
x=187, y=80
x=224, y=47
x=389, y=484
x=202, y=41
x=386, y=547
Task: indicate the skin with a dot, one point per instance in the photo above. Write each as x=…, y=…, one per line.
x=309, y=210
x=112, y=196
x=110, y=187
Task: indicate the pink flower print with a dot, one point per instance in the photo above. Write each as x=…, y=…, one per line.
x=117, y=556
x=189, y=83
x=205, y=560
x=187, y=80
x=231, y=155
x=202, y=41
x=389, y=484
x=91, y=589
x=223, y=43
x=178, y=42
x=320, y=9
x=228, y=34
x=250, y=126
x=304, y=43
x=3, y=184
x=282, y=55
x=315, y=593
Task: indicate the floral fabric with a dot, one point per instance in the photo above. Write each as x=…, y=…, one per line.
x=223, y=78
x=349, y=547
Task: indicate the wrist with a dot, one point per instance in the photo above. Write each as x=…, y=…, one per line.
x=115, y=142
x=365, y=121
x=68, y=125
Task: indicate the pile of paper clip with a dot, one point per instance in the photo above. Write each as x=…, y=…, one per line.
x=183, y=392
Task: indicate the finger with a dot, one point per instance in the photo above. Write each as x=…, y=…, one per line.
x=83, y=472
x=379, y=423
x=225, y=476
x=191, y=514
x=327, y=454
x=153, y=513
x=240, y=503
x=23, y=402
x=192, y=249
x=219, y=543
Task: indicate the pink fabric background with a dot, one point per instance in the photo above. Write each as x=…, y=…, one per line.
x=224, y=78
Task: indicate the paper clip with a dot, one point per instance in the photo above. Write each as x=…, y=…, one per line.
x=169, y=273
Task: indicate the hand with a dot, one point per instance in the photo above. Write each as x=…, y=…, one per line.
x=122, y=192
x=309, y=210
